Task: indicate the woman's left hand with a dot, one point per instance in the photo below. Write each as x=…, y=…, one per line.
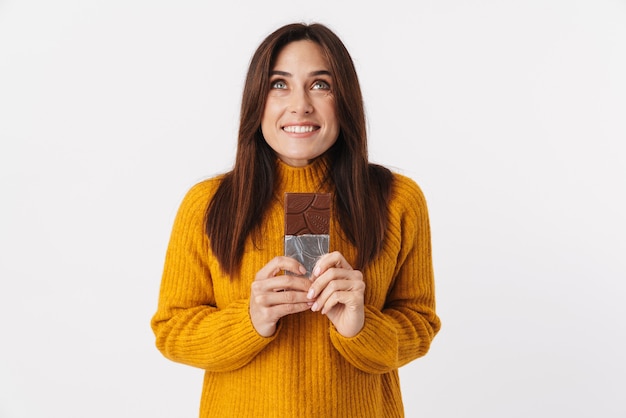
x=338, y=292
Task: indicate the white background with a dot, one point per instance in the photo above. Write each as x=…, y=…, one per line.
x=511, y=115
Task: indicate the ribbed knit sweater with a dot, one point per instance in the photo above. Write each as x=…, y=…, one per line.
x=306, y=369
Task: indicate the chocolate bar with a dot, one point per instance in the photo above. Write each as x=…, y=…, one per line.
x=307, y=213
x=307, y=227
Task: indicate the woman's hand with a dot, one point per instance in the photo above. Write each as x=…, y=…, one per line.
x=273, y=296
x=338, y=292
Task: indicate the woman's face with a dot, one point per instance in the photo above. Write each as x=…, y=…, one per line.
x=299, y=121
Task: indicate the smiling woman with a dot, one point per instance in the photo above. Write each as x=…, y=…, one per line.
x=273, y=340
x=299, y=121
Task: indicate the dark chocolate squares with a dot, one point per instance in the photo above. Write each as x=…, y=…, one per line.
x=307, y=213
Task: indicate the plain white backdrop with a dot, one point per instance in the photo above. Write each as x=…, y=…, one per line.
x=511, y=115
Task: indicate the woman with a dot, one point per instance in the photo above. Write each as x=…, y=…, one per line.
x=273, y=342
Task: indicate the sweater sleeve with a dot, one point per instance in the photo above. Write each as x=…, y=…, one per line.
x=404, y=328
x=188, y=326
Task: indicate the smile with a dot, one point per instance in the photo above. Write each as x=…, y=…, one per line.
x=299, y=129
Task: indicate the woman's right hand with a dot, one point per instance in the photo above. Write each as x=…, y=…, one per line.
x=273, y=296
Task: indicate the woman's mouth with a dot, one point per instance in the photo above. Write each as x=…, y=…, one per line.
x=300, y=129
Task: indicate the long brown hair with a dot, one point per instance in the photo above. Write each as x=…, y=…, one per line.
x=362, y=189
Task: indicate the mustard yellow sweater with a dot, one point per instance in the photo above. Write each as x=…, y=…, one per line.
x=306, y=369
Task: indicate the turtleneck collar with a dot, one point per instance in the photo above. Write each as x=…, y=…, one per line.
x=307, y=179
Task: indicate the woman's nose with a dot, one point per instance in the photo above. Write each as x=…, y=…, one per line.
x=300, y=102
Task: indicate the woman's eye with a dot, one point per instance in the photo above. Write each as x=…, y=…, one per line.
x=279, y=84
x=321, y=85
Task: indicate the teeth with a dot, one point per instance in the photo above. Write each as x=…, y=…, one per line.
x=299, y=129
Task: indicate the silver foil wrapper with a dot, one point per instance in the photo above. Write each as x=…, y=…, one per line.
x=307, y=249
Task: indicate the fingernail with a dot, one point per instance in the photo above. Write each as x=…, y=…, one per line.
x=302, y=270
x=316, y=271
x=314, y=307
x=311, y=293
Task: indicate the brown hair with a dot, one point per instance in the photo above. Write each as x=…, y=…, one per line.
x=362, y=189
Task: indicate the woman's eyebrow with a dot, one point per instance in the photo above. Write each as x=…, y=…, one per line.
x=321, y=72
